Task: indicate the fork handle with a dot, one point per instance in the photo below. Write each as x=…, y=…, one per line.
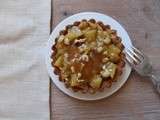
x=155, y=77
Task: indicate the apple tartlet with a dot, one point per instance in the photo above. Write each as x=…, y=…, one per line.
x=88, y=56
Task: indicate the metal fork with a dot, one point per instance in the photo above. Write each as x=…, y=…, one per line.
x=140, y=63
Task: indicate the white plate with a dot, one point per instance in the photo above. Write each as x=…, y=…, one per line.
x=98, y=17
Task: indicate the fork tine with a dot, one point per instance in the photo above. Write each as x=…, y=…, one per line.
x=136, y=50
x=128, y=60
x=135, y=55
x=129, y=54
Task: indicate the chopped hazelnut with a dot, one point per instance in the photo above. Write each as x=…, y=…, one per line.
x=79, y=75
x=81, y=80
x=84, y=57
x=82, y=48
x=82, y=65
x=107, y=40
x=76, y=55
x=99, y=49
x=105, y=52
x=80, y=41
x=104, y=67
x=105, y=73
x=99, y=43
x=72, y=69
x=66, y=41
x=110, y=70
x=106, y=59
x=75, y=59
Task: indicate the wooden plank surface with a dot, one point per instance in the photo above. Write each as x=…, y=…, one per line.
x=136, y=100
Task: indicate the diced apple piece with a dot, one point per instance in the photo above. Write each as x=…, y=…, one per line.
x=60, y=52
x=71, y=36
x=96, y=82
x=103, y=34
x=114, y=53
x=114, y=57
x=73, y=33
x=91, y=35
x=114, y=49
x=112, y=69
x=74, y=80
x=76, y=31
x=59, y=62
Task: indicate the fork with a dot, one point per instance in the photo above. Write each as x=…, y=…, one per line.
x=141, y=64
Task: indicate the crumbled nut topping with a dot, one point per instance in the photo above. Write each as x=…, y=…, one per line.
x=66, y=41
x=83, y=47
x=99, y=49
x=79, y=75
x=107, y=40
x=105, y=73
x=105, y=53
x=106, y=59
x=99, y=43
x=84, y=57
x=72, y=69
x=79, y=41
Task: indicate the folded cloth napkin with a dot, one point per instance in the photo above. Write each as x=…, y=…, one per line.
x=24, y=84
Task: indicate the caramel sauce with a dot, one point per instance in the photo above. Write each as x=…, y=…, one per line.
x=72, y=51
x=77, y=67
x=93, y=66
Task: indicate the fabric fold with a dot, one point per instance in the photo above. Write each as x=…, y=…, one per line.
x=24, y=82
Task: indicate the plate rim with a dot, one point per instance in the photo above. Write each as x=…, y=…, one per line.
x=48, y=51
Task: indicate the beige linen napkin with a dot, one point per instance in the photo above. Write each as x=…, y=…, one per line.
x=24, y=83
